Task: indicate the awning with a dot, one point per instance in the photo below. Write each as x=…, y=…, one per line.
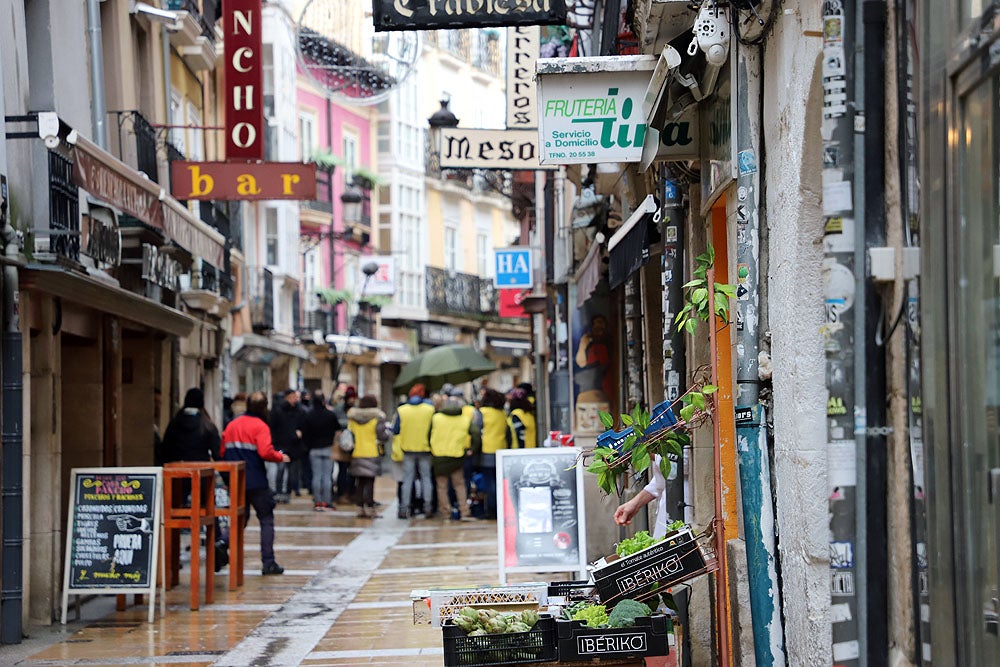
x=257, y=349
x=588, y=275
x=107, y=298
x=356, y=344
x=629, y=247
x=517, y=345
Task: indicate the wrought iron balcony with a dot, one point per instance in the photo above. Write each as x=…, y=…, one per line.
x=460, y=294
x=205, y=14
x=227, y=286
x=260, y=283
x=317, y=320
x=64, y=209
x=135, y=124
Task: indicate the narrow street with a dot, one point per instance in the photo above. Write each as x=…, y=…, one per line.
x=343, y=599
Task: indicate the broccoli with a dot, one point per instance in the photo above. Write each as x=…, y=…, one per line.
x=625, y=613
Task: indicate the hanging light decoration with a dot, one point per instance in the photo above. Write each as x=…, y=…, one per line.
x=339, y=50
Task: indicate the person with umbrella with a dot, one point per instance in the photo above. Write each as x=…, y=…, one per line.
x=413, y=425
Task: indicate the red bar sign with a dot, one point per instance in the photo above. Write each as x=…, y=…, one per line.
x=242, y=181
x=244, y=80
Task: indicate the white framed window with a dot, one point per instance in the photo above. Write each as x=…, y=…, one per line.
x=350, y=147
x=195, y=133
x=483, y=254
x=271, y=235
x=451, y=248
x=311, y=279
x=307, y=136
x=177, y=118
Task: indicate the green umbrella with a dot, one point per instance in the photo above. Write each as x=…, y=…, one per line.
x=446, y=363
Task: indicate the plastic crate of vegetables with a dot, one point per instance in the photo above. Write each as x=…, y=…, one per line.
x=643, y=566
x=589, y=633
x=483, y=637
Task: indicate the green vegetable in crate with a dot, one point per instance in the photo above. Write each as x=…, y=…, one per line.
x=625, y=613
x=638, y=542
x=529, y=617
x=594, y=615
x=518, y=626
x=465, y=624
x=470, y=613
x=496, y=626
x=478, y=632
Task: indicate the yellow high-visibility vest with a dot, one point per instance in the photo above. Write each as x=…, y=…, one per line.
x=365, y=441
x=415, y=426
x=495, y=428
x=450, y=435
x=528, y=420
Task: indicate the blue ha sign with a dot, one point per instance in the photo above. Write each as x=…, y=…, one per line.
x=513, y=267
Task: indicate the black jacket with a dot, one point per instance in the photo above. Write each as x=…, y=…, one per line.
x=190, y=437
x=319, y=427
x=285, y=420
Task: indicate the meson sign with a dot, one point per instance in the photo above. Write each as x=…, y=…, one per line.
x=244, y=80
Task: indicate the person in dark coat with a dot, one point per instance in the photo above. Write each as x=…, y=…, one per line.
x=319, y=431
x=345, y=483
x=286, y=432
x=191, y=435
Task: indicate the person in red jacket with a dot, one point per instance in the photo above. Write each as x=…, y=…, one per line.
x=248, y=438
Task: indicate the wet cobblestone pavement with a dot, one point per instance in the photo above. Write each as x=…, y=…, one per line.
x=343, y=600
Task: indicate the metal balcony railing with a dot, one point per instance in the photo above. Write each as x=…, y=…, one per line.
x=135, y=124
x=204, y=14
x=317, y=320
x=451, y=293
x=261, y=293
x=64, y=209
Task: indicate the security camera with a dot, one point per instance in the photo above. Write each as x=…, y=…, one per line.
x=167, y=16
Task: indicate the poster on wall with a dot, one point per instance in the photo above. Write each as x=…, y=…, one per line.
x=541, y=525
x=593, y=365
x=451, y=14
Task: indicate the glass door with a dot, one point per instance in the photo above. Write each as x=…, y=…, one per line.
x=975, y=278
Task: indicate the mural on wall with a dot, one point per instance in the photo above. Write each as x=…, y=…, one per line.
x=593, y=364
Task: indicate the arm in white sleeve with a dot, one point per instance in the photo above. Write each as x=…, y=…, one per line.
x=657, y=484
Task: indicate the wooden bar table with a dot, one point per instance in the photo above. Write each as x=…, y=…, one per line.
x=177, y=516
x=234, y=473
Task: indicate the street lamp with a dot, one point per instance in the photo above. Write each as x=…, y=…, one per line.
x=443, y=117
x=351, y=200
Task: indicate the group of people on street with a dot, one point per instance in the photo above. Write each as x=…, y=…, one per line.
x=443, y=448
x=334, y=449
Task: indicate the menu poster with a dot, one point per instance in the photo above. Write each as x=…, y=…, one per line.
x=540, y=511
x=112, y=532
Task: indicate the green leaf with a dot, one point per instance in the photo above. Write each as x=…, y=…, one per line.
x=691, y=326
x=675, y=447
x=700, y=272
x=709, y=389
x=606, y=481
x=636, y=414
x=597, y=466
x=704, y=258
x=606, y=419
x=728, y=290
x=699, y=295
x=640, y=458
x=686, y=398
x=698, y=400
x=627, y=420
x=711, y=254
x=665, y=466
x=693, y=283
x=687, y=412
x=629, y=442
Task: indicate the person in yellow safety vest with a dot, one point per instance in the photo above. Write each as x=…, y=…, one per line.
x=454, y=438
x=522, y=419
x=496, y=436
x=365, y=422
x=413, y=425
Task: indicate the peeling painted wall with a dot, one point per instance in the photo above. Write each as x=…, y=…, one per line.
x=792, y=101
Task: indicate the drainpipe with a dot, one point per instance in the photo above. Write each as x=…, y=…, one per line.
x=876, y=459
x=97, y=104
x=751, y=426
x=11, y=597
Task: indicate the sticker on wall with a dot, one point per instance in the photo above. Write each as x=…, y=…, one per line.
x=747, y=161
x=841, y=555
x=842, y=584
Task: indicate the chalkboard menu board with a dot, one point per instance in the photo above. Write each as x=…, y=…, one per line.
x=540, y=511
x=112, y=529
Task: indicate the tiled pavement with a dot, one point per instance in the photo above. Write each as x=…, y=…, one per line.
x=343, y=600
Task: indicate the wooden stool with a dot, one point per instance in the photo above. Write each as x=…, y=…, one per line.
x=177, y=517
x=237, y=481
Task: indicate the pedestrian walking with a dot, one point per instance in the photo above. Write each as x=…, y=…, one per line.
x=344, y=485
x=286, y=433
x=522, y=419
x=191, y=435
x=413, y=425
x=496, y=436
x=319, y=431
x=454, y=438
x=248, y=439
x=367, y=425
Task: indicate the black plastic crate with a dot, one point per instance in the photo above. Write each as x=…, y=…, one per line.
x=578, y=643
x=572, y=590
x=511, y=648
x=673, y=560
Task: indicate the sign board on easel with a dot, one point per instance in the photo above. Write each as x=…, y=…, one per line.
x=112, y=533
x=541, y=523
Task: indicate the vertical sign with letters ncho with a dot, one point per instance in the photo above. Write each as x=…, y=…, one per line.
x=244, y=80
